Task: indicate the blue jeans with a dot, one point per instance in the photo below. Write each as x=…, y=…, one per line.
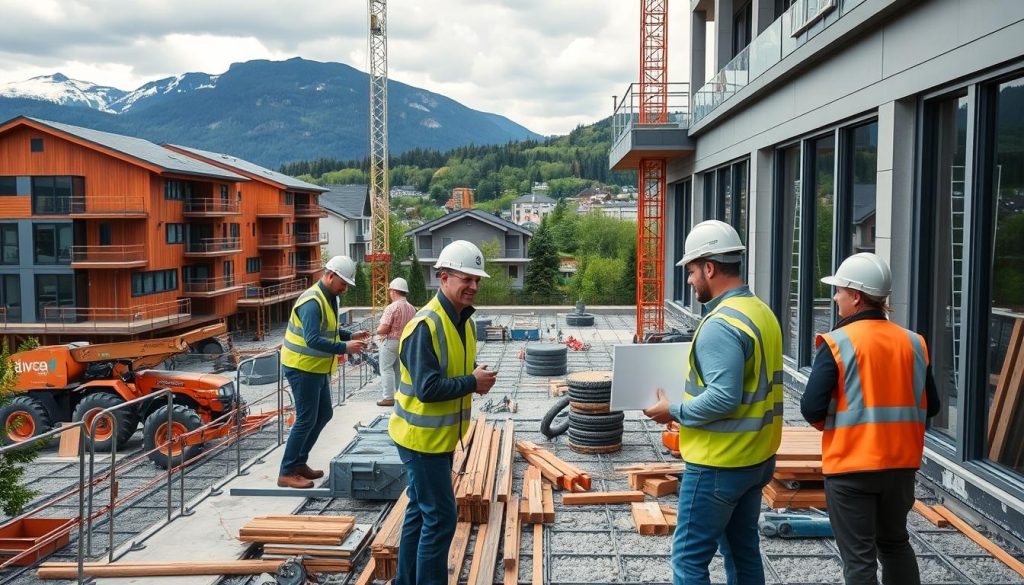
x=429, y=520
x=313, y=409
x=719, y=509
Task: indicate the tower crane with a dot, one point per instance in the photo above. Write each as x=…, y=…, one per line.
x=650, y=276
x=380, y=207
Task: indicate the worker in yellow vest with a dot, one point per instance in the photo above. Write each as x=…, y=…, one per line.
x=870, y=392
x=730, y=417
x=309, y=357
x=433, y=409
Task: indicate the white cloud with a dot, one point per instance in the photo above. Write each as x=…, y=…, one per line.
x=546, y=65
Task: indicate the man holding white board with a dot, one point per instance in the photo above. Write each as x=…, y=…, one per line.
x=730, y=418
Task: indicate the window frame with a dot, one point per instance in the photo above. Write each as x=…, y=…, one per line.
x=5, y=229
x=143, y=280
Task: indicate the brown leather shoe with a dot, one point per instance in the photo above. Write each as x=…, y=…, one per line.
x=386, y=402
x=305, y=471
x=294, y=481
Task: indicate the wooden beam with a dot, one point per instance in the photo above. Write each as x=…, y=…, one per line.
x=512, y=528
x=538, y=554
x=489, y=555
x=983, y=542
x=930, y=515
x=53, y=570
x=589, y=498
x=457, y=551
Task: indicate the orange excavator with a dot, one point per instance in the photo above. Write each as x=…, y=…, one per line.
x=77, y=381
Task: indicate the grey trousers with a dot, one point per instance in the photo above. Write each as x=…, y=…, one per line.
x=389, y=372
x=869, y=518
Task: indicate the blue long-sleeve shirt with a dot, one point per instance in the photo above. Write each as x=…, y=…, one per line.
x=310, y=316
x=722, y=352
x=417, y=354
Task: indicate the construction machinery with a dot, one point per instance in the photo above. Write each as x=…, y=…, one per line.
x=380, y=206
x=78, y=381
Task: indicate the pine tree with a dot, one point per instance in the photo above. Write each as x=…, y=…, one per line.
x=417, y=285
x=542, y=271
x=629, y=277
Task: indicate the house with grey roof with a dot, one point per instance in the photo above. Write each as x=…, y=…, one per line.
x=479, y=227
x=531, y=208
x=348, y=220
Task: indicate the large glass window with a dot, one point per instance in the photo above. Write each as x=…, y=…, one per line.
x=822, y=165
x=862, y=184
x=8, y=185
x=789, y=256
x=52, y=292
x=155, y=281
x=1004, y=188
x=683, y=222
x=9, y=243
x=10, y=297
x=51, y=243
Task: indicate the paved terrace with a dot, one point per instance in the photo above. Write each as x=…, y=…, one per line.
x=586, y=544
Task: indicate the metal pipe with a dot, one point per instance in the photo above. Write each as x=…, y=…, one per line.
x=170, y=467
x=113, y=486
x=280, y=400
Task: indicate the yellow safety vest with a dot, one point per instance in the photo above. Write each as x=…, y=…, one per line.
x=294, y=351
x=752, y=433
x=435, y=427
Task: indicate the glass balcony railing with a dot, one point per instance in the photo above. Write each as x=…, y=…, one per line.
x=627, y=110
x=802, y=22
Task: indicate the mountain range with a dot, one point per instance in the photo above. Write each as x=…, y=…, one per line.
x=268, y=112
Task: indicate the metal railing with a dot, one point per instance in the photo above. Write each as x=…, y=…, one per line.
x=173, y=311
x=212, y=205
x=278, y=207
x=209, y=285
x=214, y=245
x=266, y=292
x=277, y=240
x=800, y=23
x=309, y=210
x=108, y=253
x=626, y=112
x=310, y=266
x=303, y=238
x=108, y=204
x=10, y=314
x=277, y=271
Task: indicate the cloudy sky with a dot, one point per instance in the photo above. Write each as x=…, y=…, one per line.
x=547, y=64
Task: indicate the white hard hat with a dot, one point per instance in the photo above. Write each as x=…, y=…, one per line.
x=462, y=256
x=400, y=285
x=711, y=238
x=344, y=267
x=865, y=272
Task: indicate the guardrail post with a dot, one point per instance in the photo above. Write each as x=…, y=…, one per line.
x=81, y=508
x=280, y=400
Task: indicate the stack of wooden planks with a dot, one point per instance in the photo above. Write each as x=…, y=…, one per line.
x=538, y=503
x=561, y=474
x=654, y=479
x=475, y=485
x=317, y=538
x=798, y=482
x=384, y=547
x=650, y=519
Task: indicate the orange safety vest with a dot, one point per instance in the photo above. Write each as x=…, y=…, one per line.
x=877, y=414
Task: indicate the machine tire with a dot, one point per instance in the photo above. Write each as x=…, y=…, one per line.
x=591, y=379
x=547, y=426
x=595, y=439
x=597, y=422
x=581, y=320
x=545, y=371
x=127, y=420
x=548, y=349
x=23, y=418
x=183, y=420
x=543, y=361
x=593, y=396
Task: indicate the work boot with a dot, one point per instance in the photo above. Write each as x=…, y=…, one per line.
x=294, y=480
x=303, y=470
x=386, y=402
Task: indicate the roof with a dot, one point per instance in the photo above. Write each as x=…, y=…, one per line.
x=348, y=201
x=863, y=202
x=477, y=214
x=534, y=198
x=252, y=169
x=141, y=150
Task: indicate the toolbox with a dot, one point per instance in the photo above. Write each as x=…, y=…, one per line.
x=368, y=468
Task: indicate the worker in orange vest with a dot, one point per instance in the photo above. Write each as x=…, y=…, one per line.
x=869, y=391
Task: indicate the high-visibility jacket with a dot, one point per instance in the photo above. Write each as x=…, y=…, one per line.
x=435, y=427
x=752, y=433
x=876, y=418
x=294, y=351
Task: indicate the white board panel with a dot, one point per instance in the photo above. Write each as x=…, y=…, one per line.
x=639, y=370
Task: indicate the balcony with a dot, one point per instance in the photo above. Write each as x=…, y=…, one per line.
x=258, y=296
x=799, y=24
x=211, y=287
x=277, y=273
x=211, y=206
x=105, y=256
x=311, y=239
x=275, y=241
x=107, y=206
x=363, y=238
x=308, y=267
x=274, y=209
x=309, y=210
x=658, y=134
x=103, y=320
x=207, y=247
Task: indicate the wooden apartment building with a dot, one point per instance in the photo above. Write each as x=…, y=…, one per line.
x=106, y=237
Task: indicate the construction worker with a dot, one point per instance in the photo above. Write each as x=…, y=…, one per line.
x=730, y=418
x=873, y=420
x=433, y=408
x=392, y=322
x=312, y=342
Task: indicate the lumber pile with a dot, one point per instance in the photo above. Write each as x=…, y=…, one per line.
x=319, y=539
x=561, y=474
x=797, y=482
x=475, y=484
x=384, y=547
x=654, y=479
x=538, y=503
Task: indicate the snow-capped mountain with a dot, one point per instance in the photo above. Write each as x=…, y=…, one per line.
x=64, y=91
x=155, y=91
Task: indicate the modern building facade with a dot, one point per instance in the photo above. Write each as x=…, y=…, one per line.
x=475, y=226
x=348, y=220
x=106, y=236
x=531, y=208
x=829, y=127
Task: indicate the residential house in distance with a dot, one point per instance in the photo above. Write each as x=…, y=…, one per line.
x=531, y=208
x=626, y=210
x=348, y=220
x=829, y=127
x=407, y=191
x=478, y=227
x=462, y=198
